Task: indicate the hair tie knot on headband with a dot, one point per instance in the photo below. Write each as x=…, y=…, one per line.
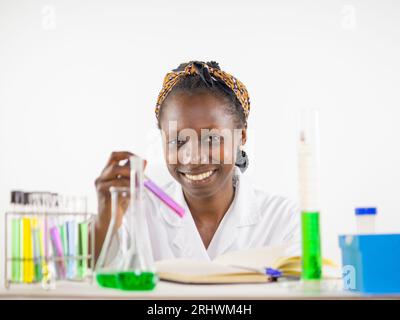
x=202, y=70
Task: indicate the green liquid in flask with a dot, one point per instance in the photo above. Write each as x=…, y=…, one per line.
x=311, y=258
x=128, y=280
x=107, y=280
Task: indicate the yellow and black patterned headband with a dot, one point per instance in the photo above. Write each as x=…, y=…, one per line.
x=209, y=73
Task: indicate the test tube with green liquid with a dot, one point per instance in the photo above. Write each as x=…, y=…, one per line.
x=16, y=265
x=83, y=249
x=36, y=249
x=308, y=191
x=16, y=249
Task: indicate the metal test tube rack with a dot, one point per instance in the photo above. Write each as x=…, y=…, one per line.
x=87, y=217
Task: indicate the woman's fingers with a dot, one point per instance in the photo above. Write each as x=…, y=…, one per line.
x=103, y=187
x=115, y=171
x=117, y=156
x=115, y=174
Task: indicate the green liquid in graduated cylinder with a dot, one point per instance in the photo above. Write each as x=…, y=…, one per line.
x=311, y=258
x=127, y=280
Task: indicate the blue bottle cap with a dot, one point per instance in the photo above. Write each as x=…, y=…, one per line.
x=365, y=211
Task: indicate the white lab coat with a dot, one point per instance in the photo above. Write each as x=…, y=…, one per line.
x=254, y=219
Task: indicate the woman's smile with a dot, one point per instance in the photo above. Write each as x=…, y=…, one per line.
x=198, y=177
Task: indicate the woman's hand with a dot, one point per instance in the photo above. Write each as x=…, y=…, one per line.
x=115, y=174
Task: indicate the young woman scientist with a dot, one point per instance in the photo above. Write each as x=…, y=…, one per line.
x=202, y=113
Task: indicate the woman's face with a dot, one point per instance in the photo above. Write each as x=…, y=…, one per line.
x=200, y=141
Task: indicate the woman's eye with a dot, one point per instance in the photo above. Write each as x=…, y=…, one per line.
x=214, y=138
x=176, y=142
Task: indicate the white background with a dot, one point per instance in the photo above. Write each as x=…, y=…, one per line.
x=79, y=79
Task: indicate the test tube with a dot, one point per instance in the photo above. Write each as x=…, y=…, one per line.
x=70, y=240
x=27, y=245
x=37, y=206
x=57, y=235
x=50, y=205
x=42, y=224
x=58, y=252
x=308, y=157
x=67, y=208
x=16, y=203
x=83, y=238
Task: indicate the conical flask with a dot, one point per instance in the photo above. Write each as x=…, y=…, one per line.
x=109, y=262
x=125, y=261
x=138, y=271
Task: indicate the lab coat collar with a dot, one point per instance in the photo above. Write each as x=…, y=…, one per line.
x=243, y=208
x=246, y=205
x=242, y=212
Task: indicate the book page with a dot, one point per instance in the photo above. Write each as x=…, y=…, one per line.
x=254, y=258
x=195, y=268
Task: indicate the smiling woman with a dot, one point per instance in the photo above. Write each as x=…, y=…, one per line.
x=202, y=115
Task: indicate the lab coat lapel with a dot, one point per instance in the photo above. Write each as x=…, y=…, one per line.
x=242, y=212
x=185, y=239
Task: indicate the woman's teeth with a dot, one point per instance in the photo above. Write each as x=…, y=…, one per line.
x=200, y=176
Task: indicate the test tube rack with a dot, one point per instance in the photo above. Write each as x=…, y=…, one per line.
x=27, y=267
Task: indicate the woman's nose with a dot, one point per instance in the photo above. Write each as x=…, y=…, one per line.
x=192, y=153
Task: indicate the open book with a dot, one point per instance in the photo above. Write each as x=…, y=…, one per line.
x=244, y=266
